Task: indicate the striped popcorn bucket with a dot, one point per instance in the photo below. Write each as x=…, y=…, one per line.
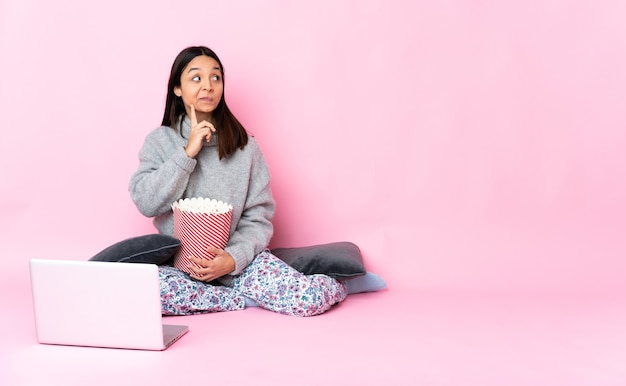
x=200, y=223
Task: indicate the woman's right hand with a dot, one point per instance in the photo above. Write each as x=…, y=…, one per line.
x=200, y=132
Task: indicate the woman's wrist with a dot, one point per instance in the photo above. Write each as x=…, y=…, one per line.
x=190, y=154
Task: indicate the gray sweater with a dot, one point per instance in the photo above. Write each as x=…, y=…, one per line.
x=166, y=174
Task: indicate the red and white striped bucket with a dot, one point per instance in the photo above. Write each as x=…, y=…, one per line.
x=200, y=223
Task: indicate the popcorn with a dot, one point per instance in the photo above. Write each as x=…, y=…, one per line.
x=200, y=223
x=202, y=205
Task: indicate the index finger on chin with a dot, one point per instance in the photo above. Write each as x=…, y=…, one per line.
x=192, y=116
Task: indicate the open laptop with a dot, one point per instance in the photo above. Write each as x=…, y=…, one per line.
x=99, y=304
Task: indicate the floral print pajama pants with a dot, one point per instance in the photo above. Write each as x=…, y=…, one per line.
x=267, y=280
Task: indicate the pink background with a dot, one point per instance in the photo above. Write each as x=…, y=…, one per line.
x=463, y=145
x=474, y=150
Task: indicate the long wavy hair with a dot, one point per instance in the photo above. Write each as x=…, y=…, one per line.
x=231, y=133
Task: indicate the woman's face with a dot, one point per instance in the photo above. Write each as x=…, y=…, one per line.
x=201, y=86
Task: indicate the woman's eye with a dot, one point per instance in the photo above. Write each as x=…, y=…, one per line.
x=215, y=77
x=196, y=78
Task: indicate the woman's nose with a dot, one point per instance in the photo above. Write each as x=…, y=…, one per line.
x=207, y=85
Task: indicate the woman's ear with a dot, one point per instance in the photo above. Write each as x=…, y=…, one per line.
x=177, y=91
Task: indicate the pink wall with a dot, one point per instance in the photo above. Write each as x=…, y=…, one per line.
x=468, y=145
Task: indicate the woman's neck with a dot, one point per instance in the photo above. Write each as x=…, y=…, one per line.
x=204, y=117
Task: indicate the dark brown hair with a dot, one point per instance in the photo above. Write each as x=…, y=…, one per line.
x=230, y=132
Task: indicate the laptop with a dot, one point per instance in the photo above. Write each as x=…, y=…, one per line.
x=100, y=304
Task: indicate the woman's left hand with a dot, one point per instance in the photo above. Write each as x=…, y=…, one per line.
x=222, y=264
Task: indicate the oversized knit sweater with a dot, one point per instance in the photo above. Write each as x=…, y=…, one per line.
x=166, y=174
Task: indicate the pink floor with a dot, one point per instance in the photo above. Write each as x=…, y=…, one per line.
x=394, y=337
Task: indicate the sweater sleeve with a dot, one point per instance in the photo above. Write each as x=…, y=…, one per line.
x=161, y=178
x=254, y=229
